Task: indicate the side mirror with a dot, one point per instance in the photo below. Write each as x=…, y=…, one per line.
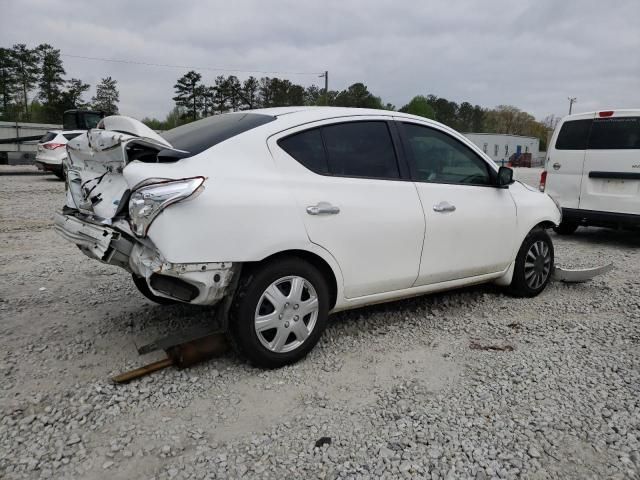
x=505, y=177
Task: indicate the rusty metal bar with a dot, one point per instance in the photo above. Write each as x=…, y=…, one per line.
x=142, y=371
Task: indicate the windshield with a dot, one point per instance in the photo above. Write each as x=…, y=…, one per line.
x=198, y=136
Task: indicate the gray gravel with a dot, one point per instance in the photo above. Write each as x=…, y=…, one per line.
x=395, y=389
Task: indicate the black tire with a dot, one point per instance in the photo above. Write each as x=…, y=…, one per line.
x=242, y=330
x=522, y=284
x=142, y=286
x=566, y=228
x=60, y=174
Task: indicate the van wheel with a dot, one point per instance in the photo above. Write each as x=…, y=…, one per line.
x=566, y=228
x=143, y=288
x=534, y=264
x=279, y=312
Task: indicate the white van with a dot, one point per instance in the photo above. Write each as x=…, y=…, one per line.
x=593, y=169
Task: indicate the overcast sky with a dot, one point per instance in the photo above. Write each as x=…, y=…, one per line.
x=531, y=54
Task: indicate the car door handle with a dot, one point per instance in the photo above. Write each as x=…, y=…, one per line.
x=323, y=208
x=556, y=166
x=443, y=207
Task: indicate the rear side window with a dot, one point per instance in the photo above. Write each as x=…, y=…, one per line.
x=48, y=137
x=351, y=149
x=70, y=136
x=573, y=135
x=307, y=148
x=198, y=136
x=615, y=133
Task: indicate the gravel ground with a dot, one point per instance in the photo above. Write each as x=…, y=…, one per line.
x=403, y=390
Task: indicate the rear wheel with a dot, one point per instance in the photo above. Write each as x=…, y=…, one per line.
x=534, y=264
x=279, y=312
x=141, y=284
x=566, y=228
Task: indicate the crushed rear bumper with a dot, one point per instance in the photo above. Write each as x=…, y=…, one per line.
x=197, y=283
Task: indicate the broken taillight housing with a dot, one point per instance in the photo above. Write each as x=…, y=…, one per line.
x=146, y=202
x=543, y=180
x=53, y=146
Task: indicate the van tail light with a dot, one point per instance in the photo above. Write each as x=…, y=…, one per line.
x=608, y=113
x=543, y=180
x=53, y=146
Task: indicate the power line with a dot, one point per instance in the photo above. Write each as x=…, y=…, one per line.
x=162, y=65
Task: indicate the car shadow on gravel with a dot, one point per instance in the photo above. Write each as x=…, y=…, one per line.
x=604, y=236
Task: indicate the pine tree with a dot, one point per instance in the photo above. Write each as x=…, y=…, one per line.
x=107, y=96
x=50, y=83
x=8, y=87
x=188, y=93
x=26, y=70
x=72, y=96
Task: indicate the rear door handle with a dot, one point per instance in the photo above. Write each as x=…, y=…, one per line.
x=323, y=208
x=443, y=207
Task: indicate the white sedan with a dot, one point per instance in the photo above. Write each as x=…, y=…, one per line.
x=284, y=215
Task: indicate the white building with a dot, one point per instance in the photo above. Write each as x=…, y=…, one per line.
x=500, y=146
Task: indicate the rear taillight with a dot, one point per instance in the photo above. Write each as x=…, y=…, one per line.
x=543, y=180
x=608, y=113
x=53, y=146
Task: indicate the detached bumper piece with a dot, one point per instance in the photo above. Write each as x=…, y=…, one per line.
x=579, y=275
x=104, y=244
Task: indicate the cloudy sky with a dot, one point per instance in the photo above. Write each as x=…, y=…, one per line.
x=532, y=54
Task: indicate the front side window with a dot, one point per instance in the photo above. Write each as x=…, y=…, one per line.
x=573, y=135
x=615, y=133
x=439, y=158
x=350, y=149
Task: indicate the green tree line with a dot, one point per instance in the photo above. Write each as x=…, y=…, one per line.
x=195, y=99
x=33, y=87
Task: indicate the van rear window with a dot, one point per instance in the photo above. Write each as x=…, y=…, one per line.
x=573, y=135
x=615, y=133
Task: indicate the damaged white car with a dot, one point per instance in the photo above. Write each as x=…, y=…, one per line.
x=285, y=215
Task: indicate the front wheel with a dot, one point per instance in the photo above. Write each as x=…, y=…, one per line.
x=534, y=264
x=279, y=312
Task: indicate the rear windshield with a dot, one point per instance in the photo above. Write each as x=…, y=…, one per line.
x=70, y=136
x=573, y=135
x=197, y=136
x=48, y=137
x=615, y=133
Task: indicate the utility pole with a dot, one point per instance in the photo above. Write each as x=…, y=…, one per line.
x=326, y=86
x=572, y=100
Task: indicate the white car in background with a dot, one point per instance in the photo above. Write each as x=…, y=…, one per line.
x=288, y=214
x=52, y=150
x=593, y=169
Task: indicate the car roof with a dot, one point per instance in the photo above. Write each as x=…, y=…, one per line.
x=293, y=116
x=62, y=132
x=624, y=112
